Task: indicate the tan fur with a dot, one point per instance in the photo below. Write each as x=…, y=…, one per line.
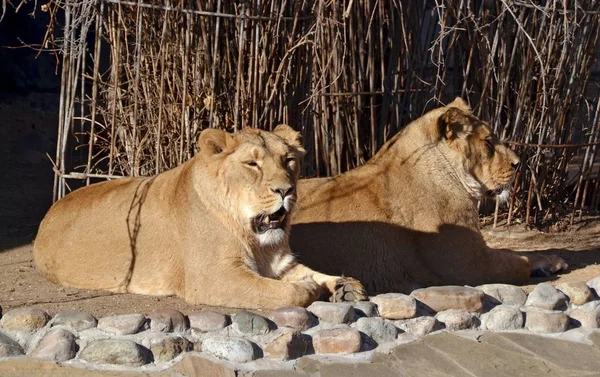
x=189, y=231
x=408, y=217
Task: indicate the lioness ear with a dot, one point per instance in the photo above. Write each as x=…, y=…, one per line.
x=291, y=136
x=214, y=141
x=459, y=103
x=455, y=124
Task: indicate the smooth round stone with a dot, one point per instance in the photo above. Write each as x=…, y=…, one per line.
x=502, y=317
x=330, y=312
x=545, y=296
x=295, y=317
x=170, y=348
x=451, y=297
x=505, y=294
x=9, y=347
x=249, y=323
x=419, y=326
x=75, y=319
x=545, y=321
x=578, y=292
x=337, y=341
x=286, y=344
x=365, y=309
x=395, y=305
x=57, y=345
x=167, y=320
x=24, y=319
x=378, y=329
x=587, y=315
x=456, y=319
x=594, y=285
x=116, y=352
x=233, y=349
x=122, y=324
x=208, y=321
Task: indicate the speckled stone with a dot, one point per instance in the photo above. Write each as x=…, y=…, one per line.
x=122, y=324
x=337, y=341
x=505, y=294
x=545, y=296
x=208, y=321
x=169, y=348
x=57, y=345
x=286, y=344
x=249, y=323
x=365, y=309
x=594, y=285
x=577, y=291
x=395, y=305
x=545, y=321
x=587, y=315
x=503, y=317
x=332, y=312
x=294, y=317
x=419, y=326
x=75, y=320
x=9, y=347
x=234, y=349
x=24, y=319
x=117, y=352
x=167, y=320
x=378, y=329
x=456, y=319
x=451, y=297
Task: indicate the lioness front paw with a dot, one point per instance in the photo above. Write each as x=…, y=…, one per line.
x=546, y=265
x=348, y=290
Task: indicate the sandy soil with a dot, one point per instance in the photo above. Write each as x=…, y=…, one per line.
x=27, y=132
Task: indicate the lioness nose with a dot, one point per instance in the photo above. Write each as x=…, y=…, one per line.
x=283, y=191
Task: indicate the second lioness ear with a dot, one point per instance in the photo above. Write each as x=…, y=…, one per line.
x=455, y=124
x=291, y=136
x=214, y=141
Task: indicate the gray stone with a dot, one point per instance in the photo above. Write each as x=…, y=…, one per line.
x=208, y=321
x=249, y=323
x=337, y=341
x=378, y=329
x=456, y=319
x=9, y=347
x=419, y=326
x=577, y=291
x=587, y=315
x=58, y=345
x=233, y=349
x=545, y=296
x=365, y=309
x=295, y=317
x=286, y=344
x=503, y=317
x=74, y=319
x=545, y=321
x=332, y=312
x=118, y=352
x=505, y=294
x=594, y=285
x=451, y=297
x=169, y=348
x=124, y=324
x=395, y=305
x=24, y=319
x=167, y=320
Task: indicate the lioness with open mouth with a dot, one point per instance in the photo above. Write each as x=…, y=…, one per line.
x=213, y=230
x=408, y=217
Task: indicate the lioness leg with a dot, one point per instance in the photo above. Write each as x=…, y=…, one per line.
x=340, y=288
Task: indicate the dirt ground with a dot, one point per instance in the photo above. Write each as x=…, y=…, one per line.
x=27, y=132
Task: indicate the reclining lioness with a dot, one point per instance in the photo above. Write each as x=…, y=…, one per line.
x=213, y=230
x=408, y=217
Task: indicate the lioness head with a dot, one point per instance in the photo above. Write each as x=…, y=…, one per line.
x=488, y=166
x=257, y=173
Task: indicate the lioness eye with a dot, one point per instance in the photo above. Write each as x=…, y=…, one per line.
x=490, y=146
x=251, y=163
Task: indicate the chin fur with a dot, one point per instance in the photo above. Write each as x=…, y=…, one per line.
x=272, y=237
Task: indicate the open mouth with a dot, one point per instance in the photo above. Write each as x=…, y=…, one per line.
x=264, y=222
